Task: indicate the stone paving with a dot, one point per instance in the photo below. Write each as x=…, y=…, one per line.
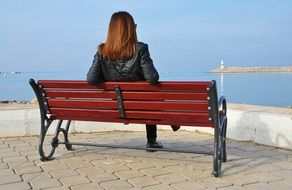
x=249, y=166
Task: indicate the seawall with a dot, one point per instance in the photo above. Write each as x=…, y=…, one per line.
x=264, y=125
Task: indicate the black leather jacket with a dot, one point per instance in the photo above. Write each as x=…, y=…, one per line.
x=139, y=67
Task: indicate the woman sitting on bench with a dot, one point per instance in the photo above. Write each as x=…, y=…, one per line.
x=123, y=58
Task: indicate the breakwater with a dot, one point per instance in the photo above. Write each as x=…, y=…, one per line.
x=287, y=69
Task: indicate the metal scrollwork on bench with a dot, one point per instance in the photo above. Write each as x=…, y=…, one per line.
x=222, y=107
x=55, y=141
x=46, y=123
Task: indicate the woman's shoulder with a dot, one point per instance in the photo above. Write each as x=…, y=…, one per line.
x=141, y=45
x=141, y=48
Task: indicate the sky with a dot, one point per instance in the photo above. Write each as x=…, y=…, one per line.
x=184, y=36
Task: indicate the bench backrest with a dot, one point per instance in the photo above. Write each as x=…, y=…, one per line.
x=168, y=103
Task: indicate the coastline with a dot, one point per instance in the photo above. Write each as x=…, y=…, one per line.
x=14, y=102
x=232, y=69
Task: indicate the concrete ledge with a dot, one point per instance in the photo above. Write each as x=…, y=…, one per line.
x=260, y=124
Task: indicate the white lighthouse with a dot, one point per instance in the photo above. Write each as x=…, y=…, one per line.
x=221, y=64
x=222, y=77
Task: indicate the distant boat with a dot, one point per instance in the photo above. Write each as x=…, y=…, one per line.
x=15, y=72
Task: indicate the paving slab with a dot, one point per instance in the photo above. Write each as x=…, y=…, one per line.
x=249, y=165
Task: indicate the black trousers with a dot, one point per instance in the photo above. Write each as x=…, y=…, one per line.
x=151, y=131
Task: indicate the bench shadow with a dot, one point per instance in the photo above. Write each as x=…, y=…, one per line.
x=243, y=157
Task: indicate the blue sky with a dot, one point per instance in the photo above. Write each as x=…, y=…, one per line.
x=183, y=36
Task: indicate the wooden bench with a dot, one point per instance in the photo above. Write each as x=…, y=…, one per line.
x=166, y=103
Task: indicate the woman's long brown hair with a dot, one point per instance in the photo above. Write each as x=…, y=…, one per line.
x=121, y=38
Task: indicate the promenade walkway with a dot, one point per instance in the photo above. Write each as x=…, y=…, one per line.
x=249, y=166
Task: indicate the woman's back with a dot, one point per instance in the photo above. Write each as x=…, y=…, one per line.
x=138, y=67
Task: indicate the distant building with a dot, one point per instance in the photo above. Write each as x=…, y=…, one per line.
x=221, y=64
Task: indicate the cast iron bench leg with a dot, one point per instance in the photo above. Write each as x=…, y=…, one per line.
x=55, y=139
x=220, y=138
x=54, y=142
x=217, y=161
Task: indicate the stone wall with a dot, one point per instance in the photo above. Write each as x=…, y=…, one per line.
x=251, y=69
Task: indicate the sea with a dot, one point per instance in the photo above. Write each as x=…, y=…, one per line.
x=267, y=89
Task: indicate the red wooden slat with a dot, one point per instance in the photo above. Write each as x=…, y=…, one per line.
x=129, y=105
x=80, y=94
x=137, y=121
x=82, y=104
x=165, y=96
x=141, y=85
x=128, y=95
x=187, y=116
